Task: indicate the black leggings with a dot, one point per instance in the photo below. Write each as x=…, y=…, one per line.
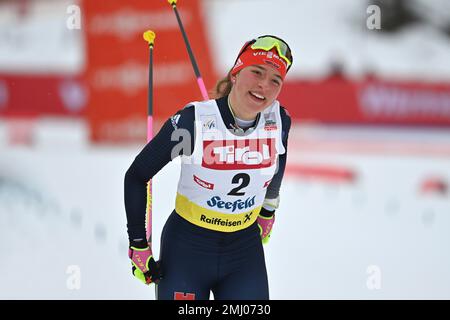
x=195, y=261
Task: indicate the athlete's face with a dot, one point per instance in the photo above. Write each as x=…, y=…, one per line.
x=254, y=89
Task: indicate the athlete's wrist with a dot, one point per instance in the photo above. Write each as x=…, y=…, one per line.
x=266, y=213
x=138, y=243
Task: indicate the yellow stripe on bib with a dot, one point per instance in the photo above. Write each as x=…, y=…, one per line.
x=214, y=220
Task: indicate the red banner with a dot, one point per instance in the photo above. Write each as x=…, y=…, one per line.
x=35, y=95
x=370, y=101
x=118, y=61
x=41, y=61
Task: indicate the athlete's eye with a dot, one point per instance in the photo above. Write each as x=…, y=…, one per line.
x=276, y=82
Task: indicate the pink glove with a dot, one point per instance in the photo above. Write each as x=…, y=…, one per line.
x=144, y=267
x=265, y=221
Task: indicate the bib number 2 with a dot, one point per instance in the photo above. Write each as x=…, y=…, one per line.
x=243, y=180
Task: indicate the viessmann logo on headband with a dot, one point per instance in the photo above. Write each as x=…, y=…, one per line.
x=254, y=57
x=238, y=154
x=271, y=58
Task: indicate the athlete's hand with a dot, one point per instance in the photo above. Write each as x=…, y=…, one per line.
x=265, y=221
x=144, y=267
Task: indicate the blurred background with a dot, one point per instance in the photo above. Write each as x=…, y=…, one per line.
x=365, y=205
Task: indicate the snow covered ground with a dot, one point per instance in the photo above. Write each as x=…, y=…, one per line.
x=63, y=227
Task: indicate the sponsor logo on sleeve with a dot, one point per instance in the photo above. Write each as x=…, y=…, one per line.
x=174, y=120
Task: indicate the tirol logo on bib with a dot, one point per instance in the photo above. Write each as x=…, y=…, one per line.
x=238, y=154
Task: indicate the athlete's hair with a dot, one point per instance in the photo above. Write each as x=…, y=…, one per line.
x=222, y=87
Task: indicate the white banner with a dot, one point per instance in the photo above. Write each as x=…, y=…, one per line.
x=41, y=37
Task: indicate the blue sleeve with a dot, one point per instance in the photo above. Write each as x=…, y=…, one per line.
x=153, y=157
x=273, y=190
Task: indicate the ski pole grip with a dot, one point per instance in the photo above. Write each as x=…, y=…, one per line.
x=149, y=36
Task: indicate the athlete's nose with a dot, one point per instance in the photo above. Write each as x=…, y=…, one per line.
x=263, y=83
